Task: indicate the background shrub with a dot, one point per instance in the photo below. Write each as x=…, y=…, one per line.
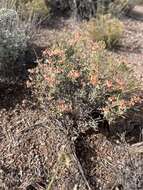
x=85, y=9
x=13, y=45
x=28, y=10
x=81, y=9
x=36, y=9
x=107, y=29
x=122, y=6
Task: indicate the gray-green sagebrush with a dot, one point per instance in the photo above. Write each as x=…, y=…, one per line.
x=13, y=45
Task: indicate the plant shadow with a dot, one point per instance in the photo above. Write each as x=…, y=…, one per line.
x=56, y=20
x=13, y=93
x=136, y=13
x=130, y=127
x=84, y=153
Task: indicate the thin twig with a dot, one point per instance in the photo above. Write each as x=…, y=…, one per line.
x=136, y=148
x=80, y=167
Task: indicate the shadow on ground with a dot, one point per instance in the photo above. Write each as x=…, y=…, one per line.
x=136, y=13
x=15, y=92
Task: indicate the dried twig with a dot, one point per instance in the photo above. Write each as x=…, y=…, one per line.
x=136, y=148
x=79, y=166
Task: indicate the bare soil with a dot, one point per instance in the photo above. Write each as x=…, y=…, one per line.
x=131, y=47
